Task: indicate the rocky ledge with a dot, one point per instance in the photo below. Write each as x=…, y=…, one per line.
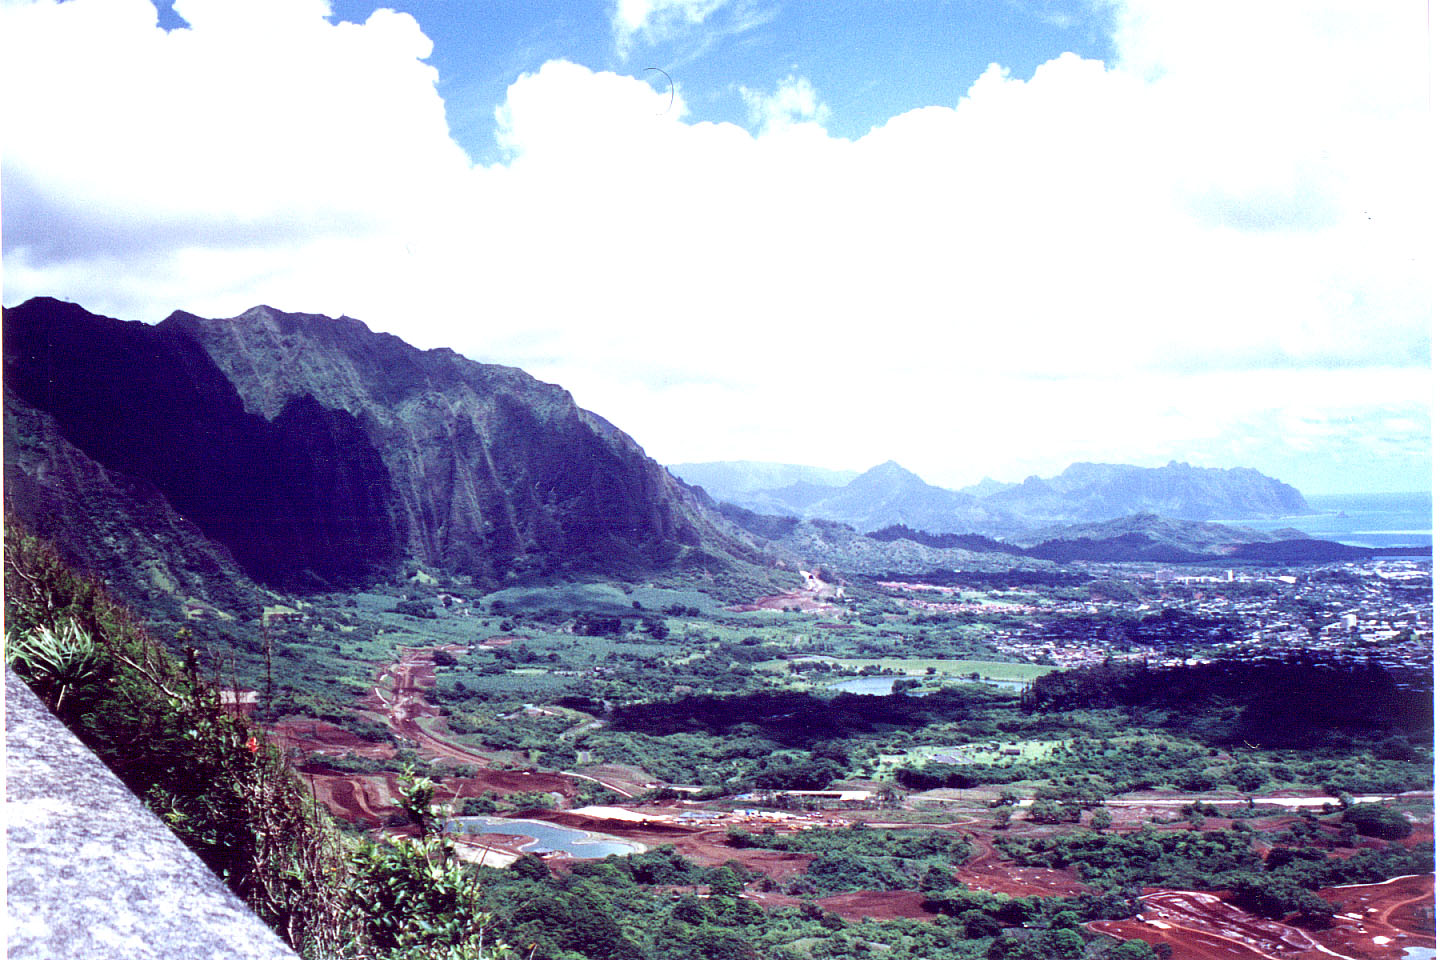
x=91, y=872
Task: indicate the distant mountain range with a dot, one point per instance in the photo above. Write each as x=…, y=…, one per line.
x=889, y=495
x=311, y=453
x=733, y=480
x=1041, y=557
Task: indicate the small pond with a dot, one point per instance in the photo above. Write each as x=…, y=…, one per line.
x=1002, y=684
x=884, y=686
x=548, y=837
x=871, y=686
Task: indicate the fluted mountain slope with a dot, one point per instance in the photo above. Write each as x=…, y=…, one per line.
x=319, y=453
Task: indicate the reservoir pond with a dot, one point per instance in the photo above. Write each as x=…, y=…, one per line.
x=548, y=837
x=884, y=686
x=870, y=686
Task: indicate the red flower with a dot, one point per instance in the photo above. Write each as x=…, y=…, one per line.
x=252, y=745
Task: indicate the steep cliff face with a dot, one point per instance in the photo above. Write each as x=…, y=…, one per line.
x=95, y=515
x=301, y=500
x=493, y=470
x=319, y=453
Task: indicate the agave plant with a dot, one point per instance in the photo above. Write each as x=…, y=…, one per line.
x=54, y=662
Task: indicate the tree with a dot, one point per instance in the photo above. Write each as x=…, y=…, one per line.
x=1377, y=820
x=1045, y=810
x=1057, y=945
x=1101, y=820
x=724, y=880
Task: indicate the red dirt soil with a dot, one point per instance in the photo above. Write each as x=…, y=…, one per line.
x=986, y=871
x=312, y=737
x=1402, y=910
x=1203, y=926
x=506, y=782
x=360, y=798
x=501, y=641
x=880, y=905
x=708, y=846
x=875, y=904
x=398, y=697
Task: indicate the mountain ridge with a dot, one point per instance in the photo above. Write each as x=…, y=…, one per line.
x=888, y=495
x=319, y=453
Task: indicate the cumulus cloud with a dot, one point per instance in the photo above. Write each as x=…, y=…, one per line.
x=1217, y=235
x=261, y=124
x=794, y=101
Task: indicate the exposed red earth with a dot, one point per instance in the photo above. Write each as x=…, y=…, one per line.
x=1203, y=926
x=501, y=640
x=367, y=798
x=875, y=904
x=319, y=738
x=813, y=597
x=880, y=905
x=1400, y=911
x=708, y=846
x=1373, y=922
x=986, y=871
x=704, y=843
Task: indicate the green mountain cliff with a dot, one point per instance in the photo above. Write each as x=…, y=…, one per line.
x=318, y=454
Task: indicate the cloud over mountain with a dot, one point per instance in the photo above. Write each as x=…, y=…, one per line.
x=1213, y=233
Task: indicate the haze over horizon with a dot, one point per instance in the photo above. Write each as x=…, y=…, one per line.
x=978, y=244
x=1426, y=489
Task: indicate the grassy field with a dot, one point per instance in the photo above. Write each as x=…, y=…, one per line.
x=987, y=752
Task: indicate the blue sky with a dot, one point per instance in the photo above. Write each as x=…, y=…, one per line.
x=880, y=58
x=978, y=239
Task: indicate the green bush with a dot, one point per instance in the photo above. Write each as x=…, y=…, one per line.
x=413, y=898
x=1377, y=820
x=230, y=796
x=204, y=770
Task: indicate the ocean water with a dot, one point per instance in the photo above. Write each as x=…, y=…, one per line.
x=1363, y=519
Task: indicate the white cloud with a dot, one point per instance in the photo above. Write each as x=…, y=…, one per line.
x=1222, y=235
x=654, y=20
x=794, y=101
x=262, y=124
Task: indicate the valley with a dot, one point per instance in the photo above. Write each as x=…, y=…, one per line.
x=836, y=714
x=550, y=704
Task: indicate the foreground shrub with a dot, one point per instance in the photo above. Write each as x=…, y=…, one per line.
x=230, y=796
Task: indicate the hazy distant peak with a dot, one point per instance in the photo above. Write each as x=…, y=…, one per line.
x=732, y=479
x=890, y=470
x=986, y=487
